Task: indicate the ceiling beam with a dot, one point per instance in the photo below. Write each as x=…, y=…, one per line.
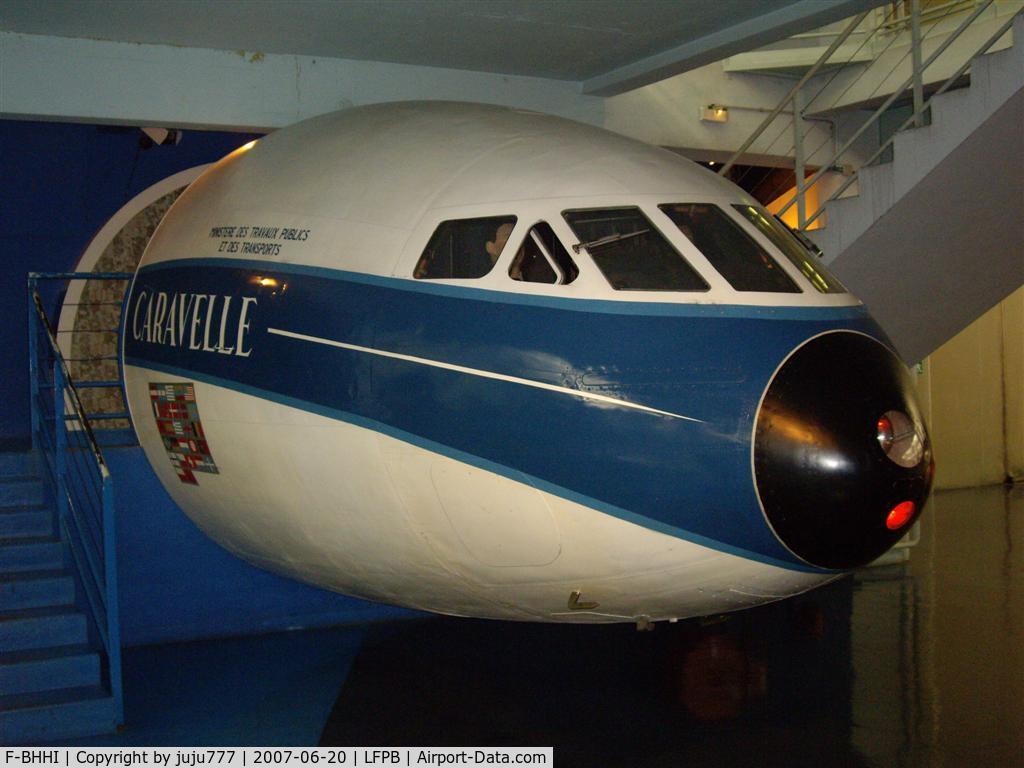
x=800, y=16
x=99, y=81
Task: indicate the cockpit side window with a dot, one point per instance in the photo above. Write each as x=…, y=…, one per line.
x=792, y=248
x=631, y=253
x=464, y=248
x=542, y=258
x=741, y=261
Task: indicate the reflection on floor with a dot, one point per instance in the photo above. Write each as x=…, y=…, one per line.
x=778, y=676
x=920, y=663
x=265, y=690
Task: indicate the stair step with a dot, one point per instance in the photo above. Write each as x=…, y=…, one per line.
x=994, y=77
x=48, y=669
x=25, y=520
x=876, y=191
x=50, y=716
x=36, y=589
x=30, y=554
x=18, y=464
x=42, y=628
x=21, y=490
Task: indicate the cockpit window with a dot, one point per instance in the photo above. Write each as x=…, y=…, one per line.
x=631, y=253
x=464, y=248
x=792, y=248
x=542, y=258
x=745, y=264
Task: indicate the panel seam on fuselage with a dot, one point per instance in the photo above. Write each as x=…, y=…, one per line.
x=481, y=373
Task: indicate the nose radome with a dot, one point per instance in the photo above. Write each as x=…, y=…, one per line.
x=842, y=460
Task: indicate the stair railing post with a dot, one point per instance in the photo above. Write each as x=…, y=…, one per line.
x=110, y=584
x=798, y=159
x=915, y=55
x=33, y=362
x=60, y=441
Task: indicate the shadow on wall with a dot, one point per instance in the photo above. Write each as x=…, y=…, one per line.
x=63, y=182
x=176, y=584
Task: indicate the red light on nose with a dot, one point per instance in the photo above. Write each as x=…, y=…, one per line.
x=899, y=515
x=885, y=432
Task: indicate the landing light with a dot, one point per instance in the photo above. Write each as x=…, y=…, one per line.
x=900, y=515
x=899, y=438
x=885, y=432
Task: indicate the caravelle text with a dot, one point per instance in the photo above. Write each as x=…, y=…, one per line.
x=205, y=322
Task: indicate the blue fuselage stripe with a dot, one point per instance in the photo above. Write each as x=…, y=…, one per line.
x=468, y=291
x=690, y=479
x=476, y=461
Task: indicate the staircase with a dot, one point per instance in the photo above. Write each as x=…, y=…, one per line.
x=933, y=239
x=51, y=675
x=936, y=237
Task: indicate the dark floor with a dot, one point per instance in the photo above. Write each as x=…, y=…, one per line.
x=915, y=664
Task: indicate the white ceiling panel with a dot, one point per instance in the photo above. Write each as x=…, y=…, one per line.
x=606, y=45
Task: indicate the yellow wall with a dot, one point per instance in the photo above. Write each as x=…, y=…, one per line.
x=1013, y=382
x=812, y=201
x=973, y=393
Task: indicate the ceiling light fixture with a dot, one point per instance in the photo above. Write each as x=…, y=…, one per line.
x=714, y=113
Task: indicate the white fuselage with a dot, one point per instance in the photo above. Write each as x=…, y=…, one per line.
x=341, y=495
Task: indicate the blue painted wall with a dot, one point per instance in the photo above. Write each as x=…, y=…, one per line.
x=176, y=584
x=61, y=183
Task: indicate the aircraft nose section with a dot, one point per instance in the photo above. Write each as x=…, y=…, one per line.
x=842, y=460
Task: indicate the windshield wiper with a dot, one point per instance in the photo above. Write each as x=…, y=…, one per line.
x=607, y=240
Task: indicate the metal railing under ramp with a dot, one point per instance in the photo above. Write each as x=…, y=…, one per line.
x=74, y=467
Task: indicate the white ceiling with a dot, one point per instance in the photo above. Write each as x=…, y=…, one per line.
x=606, y=45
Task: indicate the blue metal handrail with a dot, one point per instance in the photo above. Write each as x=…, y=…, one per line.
x=79, y=478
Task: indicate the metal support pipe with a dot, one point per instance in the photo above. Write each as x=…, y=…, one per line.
x=915, y=55
x=895, y=95
x=906, y=123
x=798, y=158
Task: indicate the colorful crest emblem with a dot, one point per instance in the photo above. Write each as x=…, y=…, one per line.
x=177, y=420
